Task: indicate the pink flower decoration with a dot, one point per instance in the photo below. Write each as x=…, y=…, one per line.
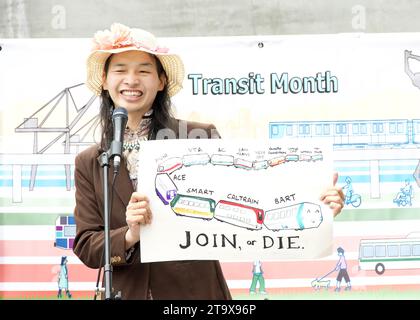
x=120, y=36
x=161, y=50
x=102, y=40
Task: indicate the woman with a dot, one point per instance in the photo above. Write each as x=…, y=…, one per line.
x=63, y=278
x=127, y=69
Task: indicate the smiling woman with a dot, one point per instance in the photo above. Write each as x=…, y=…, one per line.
x=133, y=78
x=128, y=69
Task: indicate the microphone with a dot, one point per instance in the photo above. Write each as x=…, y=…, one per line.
x=119, y=121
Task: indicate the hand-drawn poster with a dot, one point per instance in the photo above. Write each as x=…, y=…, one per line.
x=233, y=200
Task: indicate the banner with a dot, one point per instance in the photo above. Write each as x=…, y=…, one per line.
x=358, y=92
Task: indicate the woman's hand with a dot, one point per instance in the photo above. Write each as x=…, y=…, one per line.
x=138, y=213
x=333, y=197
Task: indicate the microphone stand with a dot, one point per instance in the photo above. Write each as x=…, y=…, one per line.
x=109, y=294
x=119, y=120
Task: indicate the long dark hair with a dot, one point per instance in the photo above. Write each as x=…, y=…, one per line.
x=160, y=118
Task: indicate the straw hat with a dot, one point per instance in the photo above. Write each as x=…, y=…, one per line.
x=122, y=38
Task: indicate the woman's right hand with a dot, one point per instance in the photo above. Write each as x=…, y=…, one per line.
x=138, y=213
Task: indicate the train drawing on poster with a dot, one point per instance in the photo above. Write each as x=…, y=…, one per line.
x=384, y=165
x=240, y=215
x=299, y=216
x=193, y=207
x=304, y=215
x=352, y=133
x=165, y=188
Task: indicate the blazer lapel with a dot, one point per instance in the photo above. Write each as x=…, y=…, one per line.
x=123, y=187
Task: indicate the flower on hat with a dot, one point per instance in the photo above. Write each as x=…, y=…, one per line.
x=120, y=36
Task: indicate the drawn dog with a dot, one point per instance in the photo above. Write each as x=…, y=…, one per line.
x=318, y=284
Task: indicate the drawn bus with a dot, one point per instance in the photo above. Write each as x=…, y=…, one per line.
x=193, y=206
x=242, y=163
x=65, y=231
x=383, y=254
x=304, y=215
x=239, y=215
x=222, y=159
x=170, y=165
x=195, y=159
x=165, y=188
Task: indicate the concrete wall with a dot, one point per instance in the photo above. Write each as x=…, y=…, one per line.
x=81, y=18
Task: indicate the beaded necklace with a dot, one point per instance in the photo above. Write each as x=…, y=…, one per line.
x=132, y=138
x=132, y=145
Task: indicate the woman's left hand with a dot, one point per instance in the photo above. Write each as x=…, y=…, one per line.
x=333, y=197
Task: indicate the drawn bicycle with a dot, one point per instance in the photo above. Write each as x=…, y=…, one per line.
x=354, y=199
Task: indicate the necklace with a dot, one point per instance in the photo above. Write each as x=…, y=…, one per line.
x=132, y=145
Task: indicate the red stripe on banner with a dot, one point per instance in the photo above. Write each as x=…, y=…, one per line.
x=232, y=271
x=17, y=248
x=45, y=273
x=284, y=270
x=303, y=269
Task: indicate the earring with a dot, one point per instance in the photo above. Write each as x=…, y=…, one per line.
x=148, y=113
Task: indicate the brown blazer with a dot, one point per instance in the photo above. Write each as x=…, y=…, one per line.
x=167, y=280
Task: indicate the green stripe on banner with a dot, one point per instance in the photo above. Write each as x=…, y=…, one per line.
x=39, y=202
x=29, y=218
x=25, y=219
x=378, y=214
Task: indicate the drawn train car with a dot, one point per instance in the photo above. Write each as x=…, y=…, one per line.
x=352, y=133
x=305, y=215
x=292, y=157
x=65, y=232
x=239, y=215
x=221, y=160
x=195, y=159
x=165, y=188
x=305, y=157
x=276, y=161
x=170, y=165
x=416, y=131
x=242, y=163
x=317, y=157
x=261, y=164
x=193, y=206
